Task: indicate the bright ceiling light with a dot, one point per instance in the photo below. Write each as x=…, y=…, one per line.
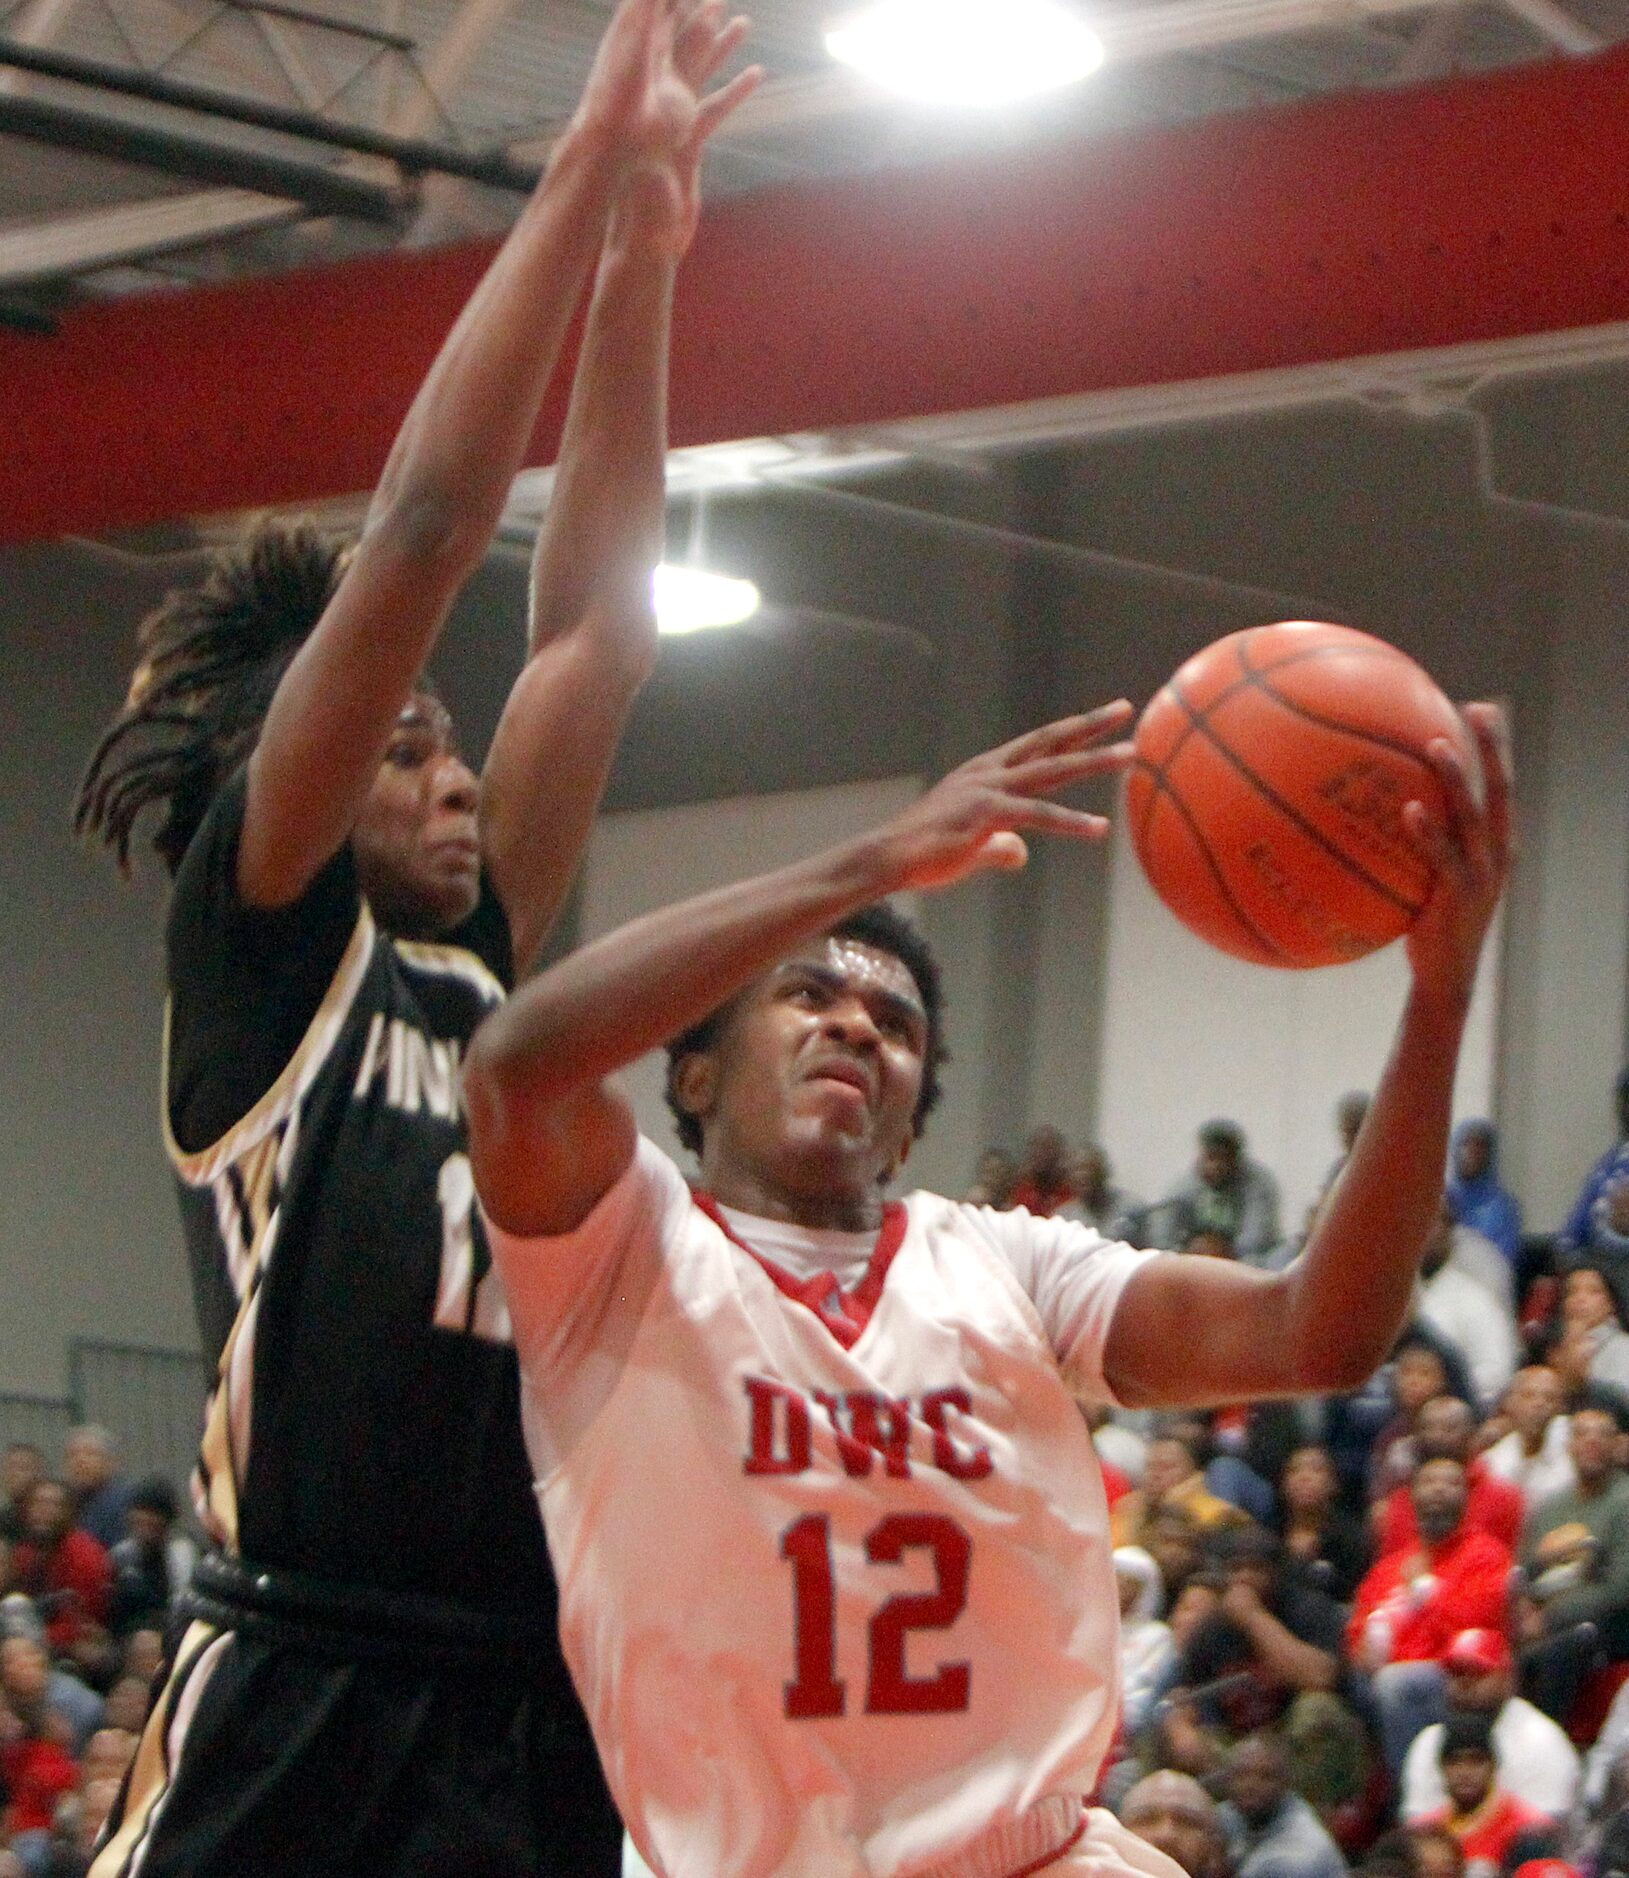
x=689, y=599
x=967, y=52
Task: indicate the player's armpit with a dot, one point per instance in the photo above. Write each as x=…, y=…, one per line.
x=1193, y=1332
x=541, y=1169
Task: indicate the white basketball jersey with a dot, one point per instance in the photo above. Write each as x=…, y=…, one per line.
x=835, y=1575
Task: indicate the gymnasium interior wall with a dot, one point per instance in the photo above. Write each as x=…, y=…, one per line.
x=897, y=645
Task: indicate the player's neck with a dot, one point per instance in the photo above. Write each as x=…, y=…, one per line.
x=744, y=1191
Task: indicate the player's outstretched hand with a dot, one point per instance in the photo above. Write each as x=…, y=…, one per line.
x=975, y=820
x=646, y=100
x=1470, y=847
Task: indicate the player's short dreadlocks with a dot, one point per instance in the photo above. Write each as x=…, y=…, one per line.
x=210, y=659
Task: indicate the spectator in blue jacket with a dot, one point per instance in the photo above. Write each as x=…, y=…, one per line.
x=1475, y=1196
x=1589, y=1225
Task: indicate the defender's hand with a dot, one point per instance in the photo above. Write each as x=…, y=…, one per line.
x=645, y=101
x=974, y=820
x=1470, y=847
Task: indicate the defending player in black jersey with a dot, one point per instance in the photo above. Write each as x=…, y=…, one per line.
x=368, y=1680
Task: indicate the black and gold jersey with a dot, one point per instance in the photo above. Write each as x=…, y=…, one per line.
x=364, y=1424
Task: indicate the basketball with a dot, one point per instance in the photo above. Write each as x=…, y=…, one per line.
x=1266, y=797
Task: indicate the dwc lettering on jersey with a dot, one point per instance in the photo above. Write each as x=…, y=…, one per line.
x=420, y=1072
x=870, y=1428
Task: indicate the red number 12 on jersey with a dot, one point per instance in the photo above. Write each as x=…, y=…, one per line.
x=816, y=1690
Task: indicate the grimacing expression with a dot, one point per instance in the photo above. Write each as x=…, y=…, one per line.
x=416, y=842
x=816, y=1074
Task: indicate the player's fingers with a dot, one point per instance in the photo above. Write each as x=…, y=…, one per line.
x=1492, y=734
x=1052, y=818
x=1465, y=828
x=1043, y=775
x=1068, y=733
x=724, y=38
x=1429, y=839
x=694, y=33
x=718, y=105
x=1002, y=853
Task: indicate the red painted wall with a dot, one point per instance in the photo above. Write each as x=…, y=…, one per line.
x=1375, y=222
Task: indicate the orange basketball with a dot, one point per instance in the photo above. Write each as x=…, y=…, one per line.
x=1266, y=799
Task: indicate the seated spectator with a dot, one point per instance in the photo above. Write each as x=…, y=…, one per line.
x=1475, y=1196
x=1575, y=1562
x=1495, y=1830
x=74, y=1711
x=1147, y=1653
x=22, y=1467
x=1422, y=1369
x=1437, y=1853
x=1461, y=1309
x=143, y=1654
x=1350, y=1112
x=107, y=1754
x=1175, y=1815
x=1270, y=1831
x=1094, y=1199
x=61, y=1568
x=1173, y=1477
x=1540, y=1764
x=1043, y=1173
x=100, y=1493
x=1271, y=1652
x=125, y=1708
x=1589, y=1214
x=1535, y=1457
x=993, y=1180
x=1328, y=1546
x=36, y=1765
x=1417, y=1599
x=1593, y=1346
x=1447, y=1427
x=1227, y=1193
x=152, y=1566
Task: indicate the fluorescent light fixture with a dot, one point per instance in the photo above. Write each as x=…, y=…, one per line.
x=967, y=52
x=689, y=599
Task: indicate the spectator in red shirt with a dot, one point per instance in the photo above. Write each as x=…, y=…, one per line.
x=1446, y=1425
x=1416, y=1600
x=34, y=1759
x=1496, y=1831
x=63, y=1569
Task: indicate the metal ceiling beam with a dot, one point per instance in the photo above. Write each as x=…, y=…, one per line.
x=450, y=63
x=1555, y=25
x=415, y=155
x=1353, y=227
x=35, y=23
x=323, y=191
x=68, y=245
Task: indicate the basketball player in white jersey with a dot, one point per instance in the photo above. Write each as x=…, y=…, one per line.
x=834, y=1560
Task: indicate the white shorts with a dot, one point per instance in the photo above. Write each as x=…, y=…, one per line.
x=1104, y=1850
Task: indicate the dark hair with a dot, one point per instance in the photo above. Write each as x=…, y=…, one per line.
x=1467, y=1732
x=1222, y=1134
x=156, y=1495
x=887, y=931
x=1249, y=1545
x=1602, y=1399
x=210, y=660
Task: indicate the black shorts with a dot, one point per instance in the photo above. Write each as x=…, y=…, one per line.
x=270, y=1754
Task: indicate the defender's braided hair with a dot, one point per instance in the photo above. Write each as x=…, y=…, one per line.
x=211, y=658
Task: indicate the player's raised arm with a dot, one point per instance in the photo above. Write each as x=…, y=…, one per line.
x=548, y=1138
x=592, y=627
x=1327, y=1322
x=444, y=484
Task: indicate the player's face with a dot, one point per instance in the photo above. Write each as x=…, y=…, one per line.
x=809, y=1097
x=417, y=849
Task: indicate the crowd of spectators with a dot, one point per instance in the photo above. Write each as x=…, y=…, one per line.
x=91, y=1563
x=1390, y=1630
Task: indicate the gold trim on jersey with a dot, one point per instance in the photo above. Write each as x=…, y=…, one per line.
x=451, y=962
x=160, y=1746
x=200, y=1168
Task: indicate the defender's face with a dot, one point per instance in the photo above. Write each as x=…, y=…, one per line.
x=812, y=1088
x=417, y=849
